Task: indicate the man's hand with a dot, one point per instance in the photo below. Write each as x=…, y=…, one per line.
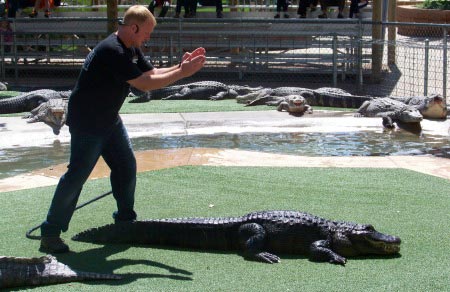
x=193, y=62
x=197, y=52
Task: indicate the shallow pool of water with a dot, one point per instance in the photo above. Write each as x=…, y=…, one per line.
x=24, y=159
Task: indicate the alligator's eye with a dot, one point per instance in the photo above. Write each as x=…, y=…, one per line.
x=369, y=227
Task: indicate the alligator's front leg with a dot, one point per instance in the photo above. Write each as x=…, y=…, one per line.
x=320, y=251
x=253, y=237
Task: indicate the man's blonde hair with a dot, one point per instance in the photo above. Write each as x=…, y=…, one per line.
x=138, y=14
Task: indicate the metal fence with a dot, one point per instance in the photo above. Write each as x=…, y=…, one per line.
x=305, y=52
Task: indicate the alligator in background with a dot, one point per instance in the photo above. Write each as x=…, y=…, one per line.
x=295, y=105
x=53, y=113
x=390, y=110
x=46, y=270
x=44, y=105
x=431, y=107
x=28, y=101
x=203, y=90
x=260, y=235
x=324, y=96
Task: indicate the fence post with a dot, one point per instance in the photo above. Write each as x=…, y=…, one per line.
x=425, y=69
x=377, y=36
x=2, y=47
x=444, y=60
x=392, y=35
x=334, y=60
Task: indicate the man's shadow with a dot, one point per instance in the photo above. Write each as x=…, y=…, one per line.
x=96, y=260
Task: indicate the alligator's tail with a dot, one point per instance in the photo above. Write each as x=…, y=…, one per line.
x=201, y=233
x=46, y=270
x=20, y=104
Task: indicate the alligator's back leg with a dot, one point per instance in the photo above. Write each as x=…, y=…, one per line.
x=253, y=237
x=321, y=252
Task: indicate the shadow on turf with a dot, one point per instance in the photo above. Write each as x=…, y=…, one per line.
x=96, y=260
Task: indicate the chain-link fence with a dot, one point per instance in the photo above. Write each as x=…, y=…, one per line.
x=301, y=52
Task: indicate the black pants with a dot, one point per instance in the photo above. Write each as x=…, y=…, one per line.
x=282, y=4
x=304, y=4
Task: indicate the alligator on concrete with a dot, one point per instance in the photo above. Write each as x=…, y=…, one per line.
x=431, y=107
x=52, y=112
x=28, y=101
x=295, y=105
x=324, y=96
x=390, y=110
x=46, y=270
x=260, y=235
x=203, y=90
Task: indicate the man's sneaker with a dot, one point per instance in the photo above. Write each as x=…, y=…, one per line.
x=340, y=15
x=286, y=15
x=277, y=15
x=219, y=14
x=53, y=244
x=324, y=15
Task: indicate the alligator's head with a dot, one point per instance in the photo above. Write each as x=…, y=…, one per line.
x=365, y=240
x=296, y=100
x=55, y=119
x=435, y=107
x=409, y=115
x=52, y=113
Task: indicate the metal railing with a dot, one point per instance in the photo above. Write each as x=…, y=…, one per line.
x=328, y=52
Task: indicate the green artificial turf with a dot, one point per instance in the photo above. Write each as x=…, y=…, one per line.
x=410, y=205
x=181, y=106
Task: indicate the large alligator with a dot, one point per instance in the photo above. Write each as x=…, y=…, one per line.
x=259, y=235
x=390, y=110
x=431, y=107
x=53, y=113
x=324, y=96
x=295, y=105
x=28, y=101
x=46, y=270
x=203, y=90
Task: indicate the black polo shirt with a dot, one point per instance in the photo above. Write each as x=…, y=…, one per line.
x=101, y=88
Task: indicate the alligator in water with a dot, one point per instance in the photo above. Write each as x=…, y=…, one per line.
x=203, y=90
x=46, y=270
x=390, y=110
x=260, y=235
x=324, y=96
x=28, y=101
x=295, y=105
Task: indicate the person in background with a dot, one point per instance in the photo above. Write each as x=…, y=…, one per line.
x=324, y=4
x=355, y=6
x=95, y=126
x=282, y=5
x=37, y=5
x=164, y=4
x=304, y=4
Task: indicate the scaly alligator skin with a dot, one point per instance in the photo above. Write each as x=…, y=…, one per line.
x=295, y=105
x=28, y=101
x=324, y=96
x=390, y=110
x=203, y=90
x=259, y=235
x=53, y=113
x=431, y=107
x=46, y=270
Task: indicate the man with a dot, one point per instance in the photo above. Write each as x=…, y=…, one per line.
x=94, y=123
x=324, y=4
